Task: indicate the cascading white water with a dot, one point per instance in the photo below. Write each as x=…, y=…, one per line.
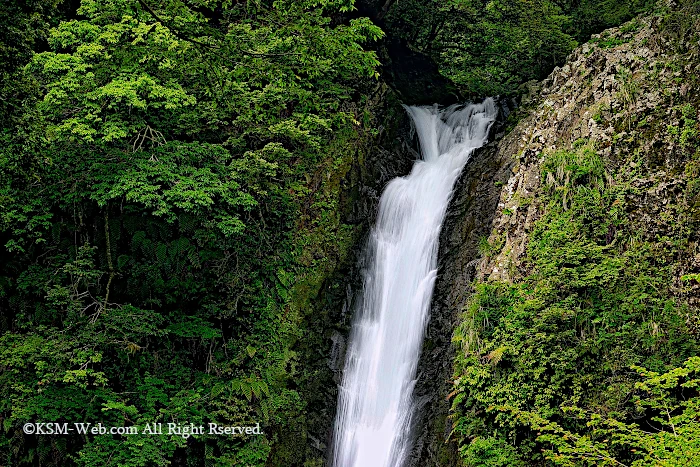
x=375, y=405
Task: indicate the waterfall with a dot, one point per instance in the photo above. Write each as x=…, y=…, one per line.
x=376, y=407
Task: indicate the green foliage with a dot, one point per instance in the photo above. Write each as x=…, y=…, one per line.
x=24, y=25
x=608, y=42
x=671, y=403
x=169, y=210
x=687, y=131
x=489, y=452
x=680, y=25
x=592, y=16
x=594, y=301
x=493, y=47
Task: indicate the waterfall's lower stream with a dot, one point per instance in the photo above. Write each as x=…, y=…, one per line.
x=376, y=406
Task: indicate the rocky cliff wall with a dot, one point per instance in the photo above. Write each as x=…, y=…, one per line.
x=630, y=95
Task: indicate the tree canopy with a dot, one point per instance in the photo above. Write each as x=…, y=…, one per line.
x=160, y=186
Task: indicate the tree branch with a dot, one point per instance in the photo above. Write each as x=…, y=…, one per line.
x=109, y=258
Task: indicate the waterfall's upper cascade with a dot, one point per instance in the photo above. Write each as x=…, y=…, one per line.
x=375, y=406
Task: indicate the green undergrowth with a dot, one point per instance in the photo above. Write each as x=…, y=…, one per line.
x=564, y=340
x=165, y=322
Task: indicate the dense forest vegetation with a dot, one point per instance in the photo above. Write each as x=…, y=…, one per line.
x=493, y=47
x=579, y=345
x=169, y=179
x=170, y=185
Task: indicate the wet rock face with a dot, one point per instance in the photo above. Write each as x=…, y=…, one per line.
x=468, y=219
x=393, y=155
x=322, y=350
